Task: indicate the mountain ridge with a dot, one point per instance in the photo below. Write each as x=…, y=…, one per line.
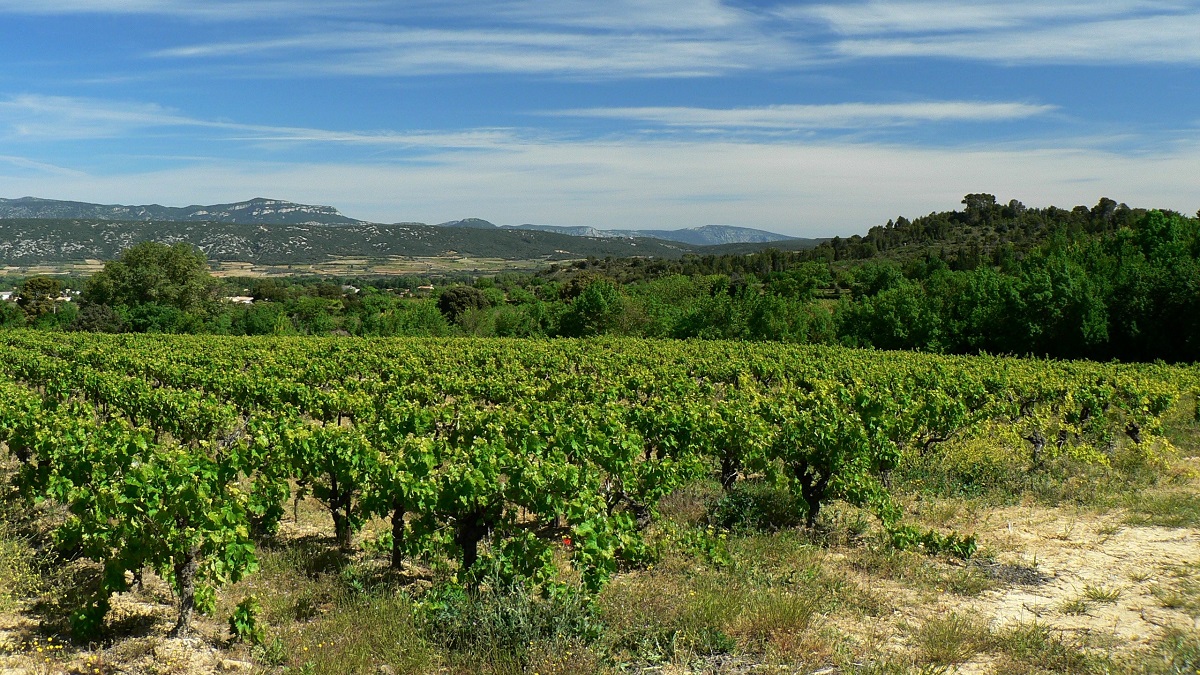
x=265, y=211
x=256, y=211
x=44, y=241
x=704, y=235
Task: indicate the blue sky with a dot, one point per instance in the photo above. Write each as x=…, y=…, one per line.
x=807, y=118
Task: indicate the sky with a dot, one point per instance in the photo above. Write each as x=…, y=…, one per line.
x=812, y=118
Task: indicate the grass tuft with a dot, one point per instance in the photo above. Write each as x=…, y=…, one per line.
x=1101, y=593
x=1076, y=607
x=950, y=640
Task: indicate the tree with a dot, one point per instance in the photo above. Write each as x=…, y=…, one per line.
x=980, y=208
x=979, y=202
x=153, y=273
x=39, y=296
x=11, y=315
x=99, y=319
x=594, y=311
x=454, y=302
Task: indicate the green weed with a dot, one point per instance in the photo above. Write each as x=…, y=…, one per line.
x=19, y=576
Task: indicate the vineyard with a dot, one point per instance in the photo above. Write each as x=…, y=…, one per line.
x=484, y=463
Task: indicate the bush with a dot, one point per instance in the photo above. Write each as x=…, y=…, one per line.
x=760, y=507
x=244, y=622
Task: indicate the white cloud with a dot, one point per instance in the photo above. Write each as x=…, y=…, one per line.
x=655, y=38
x=1017, y=31
x=38, y=118
x=877, y=17
x=579, y=39
x=830, y=116
x=383, y=51
x=1160, y=39
x=612, y=14
x=210, y=10
x=592, y=14
x=38, y=168
x=571, y=38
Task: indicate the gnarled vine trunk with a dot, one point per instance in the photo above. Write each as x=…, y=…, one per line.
x=398, y=512
x=185, y=578
x=730, y=465
x=340, y=503
x=471, y=530
x=813, y=489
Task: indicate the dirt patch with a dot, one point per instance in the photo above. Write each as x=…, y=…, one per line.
x=1085, y=574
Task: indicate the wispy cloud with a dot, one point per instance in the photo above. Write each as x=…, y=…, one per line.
x=209, y=10
x=384, y=51
x=609, y=39
x=662, y=15
x=1019, y=31
x=831, y=116
x=35, y=119
x=569, y=38
x=1160, y=39
x=39, y=118
x=37, y=167
x=933, y=16
x=676, y=15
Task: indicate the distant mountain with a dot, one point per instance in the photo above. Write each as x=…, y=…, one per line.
x=41, y=241
x=708, y=235
x=252, y=212
x=712, y=235
x=272, y=231
x=262, y=211
x=472, y=223
x=574, y=231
